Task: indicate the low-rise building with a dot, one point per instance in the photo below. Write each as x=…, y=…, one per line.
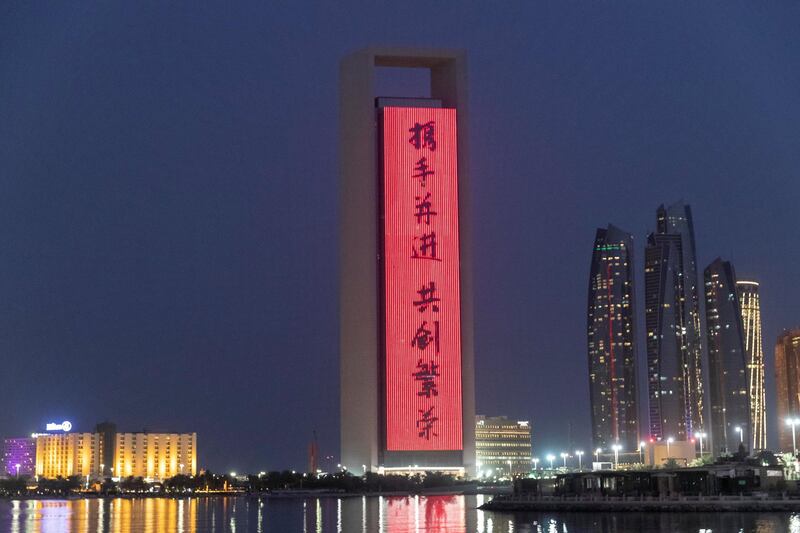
x=502, y=446
x=68, y=454
x=19, y=456
x=155, y=455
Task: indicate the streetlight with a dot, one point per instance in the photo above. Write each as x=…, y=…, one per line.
x=564, y=456
x=551, y=458
x=181, y=467
x=701, y=435
x=793, y=422
x=670, y=440
x=102, y=470
x=616, y=448
x=510, y=472
x=579, y=453
x=641, y=451
x=17, y=467
x=741, y=434
x=597, y=454
x=536, y=463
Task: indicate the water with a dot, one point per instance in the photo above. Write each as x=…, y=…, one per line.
x=397, y=514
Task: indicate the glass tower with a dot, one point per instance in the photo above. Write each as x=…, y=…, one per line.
x=750, y=305
x=727, y=360
x=611, y=346
x=672, y=320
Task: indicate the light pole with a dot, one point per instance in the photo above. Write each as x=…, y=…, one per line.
x=641, y=451
x=181, y=467
x=597, y=454
x=102, y=470
x=17, y=467
x=616, y=448
x=536, y=463
x=510, y=471
x=701, y=435
x=579, y=453
x=793, y=422
x=551, y=458
x=741, y=434
x=670, y=440
x=564, y=456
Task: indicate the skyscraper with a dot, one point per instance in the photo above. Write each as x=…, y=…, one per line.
x=750, y=305
x=666, y=353
x=787, y=384
x=406, y=344
x=611, y=341
x=677, y=220
x=727, y=361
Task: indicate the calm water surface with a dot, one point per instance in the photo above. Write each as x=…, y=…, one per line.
x=452, y=514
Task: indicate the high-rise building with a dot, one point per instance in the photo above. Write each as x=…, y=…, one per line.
x=787, y=384
x=611, y=341
x=502, y=445
x=406, y=343
x=672, y=321
x=750, y=305
x=19, y=456
x=727, y=361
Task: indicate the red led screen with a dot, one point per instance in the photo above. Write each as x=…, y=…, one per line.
x=422, y=287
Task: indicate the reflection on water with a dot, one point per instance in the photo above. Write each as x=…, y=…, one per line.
x=384, y=514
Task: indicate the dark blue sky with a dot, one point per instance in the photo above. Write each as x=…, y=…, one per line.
x=168, y=216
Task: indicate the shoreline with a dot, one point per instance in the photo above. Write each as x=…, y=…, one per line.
x=695, y=504
x=287, y=494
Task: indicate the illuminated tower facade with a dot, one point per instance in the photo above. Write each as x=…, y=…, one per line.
x=787, y=384
x=611, y=341
x=729, y=397
x=750, y=305
x=672, y=320
x=665, y=338
x=406, y=350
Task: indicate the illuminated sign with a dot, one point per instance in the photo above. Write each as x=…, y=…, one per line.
x=64, y=426
x=421, y=280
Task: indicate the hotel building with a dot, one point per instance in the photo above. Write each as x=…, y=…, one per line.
x=107, y=453
x=611, y=341
x=787, y=384
x=502, y=445
x=68, y=454
x=155, y=455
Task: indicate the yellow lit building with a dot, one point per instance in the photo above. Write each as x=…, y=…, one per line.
x=155, y=455
x=68, y=454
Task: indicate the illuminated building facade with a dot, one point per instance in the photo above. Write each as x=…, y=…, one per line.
x=787, y=384
x=407, y=393
x=502, y=445
x=68, y=454
x=155, y=455
x=727, y=361
x=611, y=341
x=672, y=321
x=22, y=452
x=750, y=305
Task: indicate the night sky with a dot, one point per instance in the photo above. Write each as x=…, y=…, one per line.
x=169, y=208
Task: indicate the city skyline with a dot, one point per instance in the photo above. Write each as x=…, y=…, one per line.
x=170, y=216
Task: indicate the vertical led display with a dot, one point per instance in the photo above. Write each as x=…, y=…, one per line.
x=421, y=289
